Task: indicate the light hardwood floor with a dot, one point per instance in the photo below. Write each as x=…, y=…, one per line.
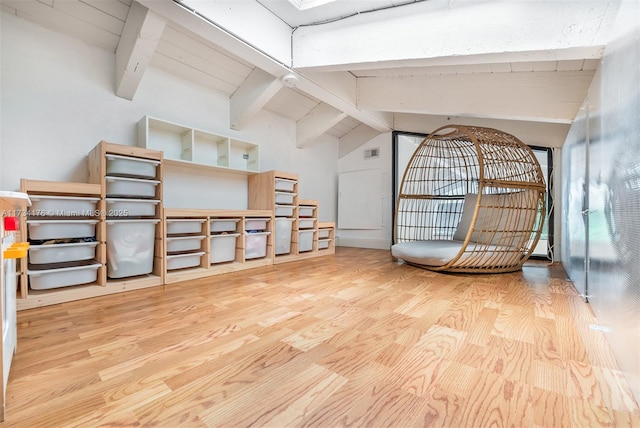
x=355, y=339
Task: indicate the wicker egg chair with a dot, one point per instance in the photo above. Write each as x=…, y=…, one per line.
x=471, y=200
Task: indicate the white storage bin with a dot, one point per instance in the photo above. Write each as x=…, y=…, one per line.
x=223, y=224
x=130, y=247
x=324, y=233
x=306, y=223
x=63, y=277
x=184, y=243
x=130, y=187
x=285, y=185
x=255, y=223
x=284, y=210
x=61, y=229
x=284, y=198
x=70, y=206
x=305, y=240
x=128, y=166
x=183, y=261
x=131, y=207
x=284, y=226
x=223, y=247
x=255, y=245
x=182, y=225
x=58, y=253
x=306, y=211
x=323, y=244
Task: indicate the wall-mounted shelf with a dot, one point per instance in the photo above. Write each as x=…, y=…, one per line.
x=190, y=147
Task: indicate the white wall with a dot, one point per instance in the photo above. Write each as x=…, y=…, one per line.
x=58, y=102
x=355, y=161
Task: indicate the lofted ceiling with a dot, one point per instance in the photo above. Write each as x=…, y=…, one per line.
x=352, y=69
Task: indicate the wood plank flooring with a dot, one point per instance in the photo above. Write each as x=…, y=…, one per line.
x=356, y=339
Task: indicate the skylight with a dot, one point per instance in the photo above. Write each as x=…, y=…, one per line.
x=309, y=4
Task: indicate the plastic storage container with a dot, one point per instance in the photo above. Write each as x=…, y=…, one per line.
x=181, y=225
x=323, y=244
x=59, y=253
x=255, y=245
x=61, y=229
x=285, y=185
x=306, y=211
x=126, y=187
x=284, y=210
x=63, y=277
x=284, y=227
x=130, y=247
x=183, y=261
x=223, y=224
x=256, y=223
x=69, y=206
x=120, y=207
x=284, y=198
x=306, y=223
x=223, y=248
x=305, y=240
x=324, y=233
x=127, y=166
x=184, y=243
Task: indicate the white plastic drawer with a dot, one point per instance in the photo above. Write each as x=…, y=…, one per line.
x=305, y=240
x=223, y=248
x=306, y=211
x=255, y=245
x=130, y=247
x=183, y=261
x=61, y=229
x=131, y=207
x=58, y=253
x=130, y=187
x=184, y=243
x=63, y=277
x=323, y=244
x=223, y=224
x=256, y=223
x=183, y=226
x=69, y=206
x=284, y=210
x=306, y=223
x=128, y=166
x=324, y=233
x=284, y=198
x=285, y=185
x=284, y=227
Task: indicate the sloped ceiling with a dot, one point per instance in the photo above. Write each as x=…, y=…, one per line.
x=357, y=68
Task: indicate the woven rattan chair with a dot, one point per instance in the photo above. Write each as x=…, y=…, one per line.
x=471, y=200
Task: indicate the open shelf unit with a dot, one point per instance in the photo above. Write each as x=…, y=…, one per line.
x=233, y=258
x=186, y=146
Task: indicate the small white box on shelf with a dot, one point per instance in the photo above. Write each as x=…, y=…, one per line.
x=323, y=244
x=183, y=261
x=63, y=277
x=122, y=207
x=184, y=243
x=285, y=185
x=324, y=233
x=284, y=227
x=223, y=247
x=183, y=225
x=69, y=206
x=223, y=224
x=306, y=223
x=61, y=229
x=255, y=245
x=306, y=211
x=284, y=210
x=305, y=240
x=130, y=247
x=130, y=187
x=58, y=253
x=284, y=198
x=256, y=223
x=128, y=166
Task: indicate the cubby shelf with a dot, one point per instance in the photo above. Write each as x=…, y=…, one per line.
x=195, y=148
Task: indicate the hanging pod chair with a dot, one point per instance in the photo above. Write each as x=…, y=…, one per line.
x=471, y=200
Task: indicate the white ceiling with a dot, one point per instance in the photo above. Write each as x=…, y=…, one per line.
x=524, y=67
